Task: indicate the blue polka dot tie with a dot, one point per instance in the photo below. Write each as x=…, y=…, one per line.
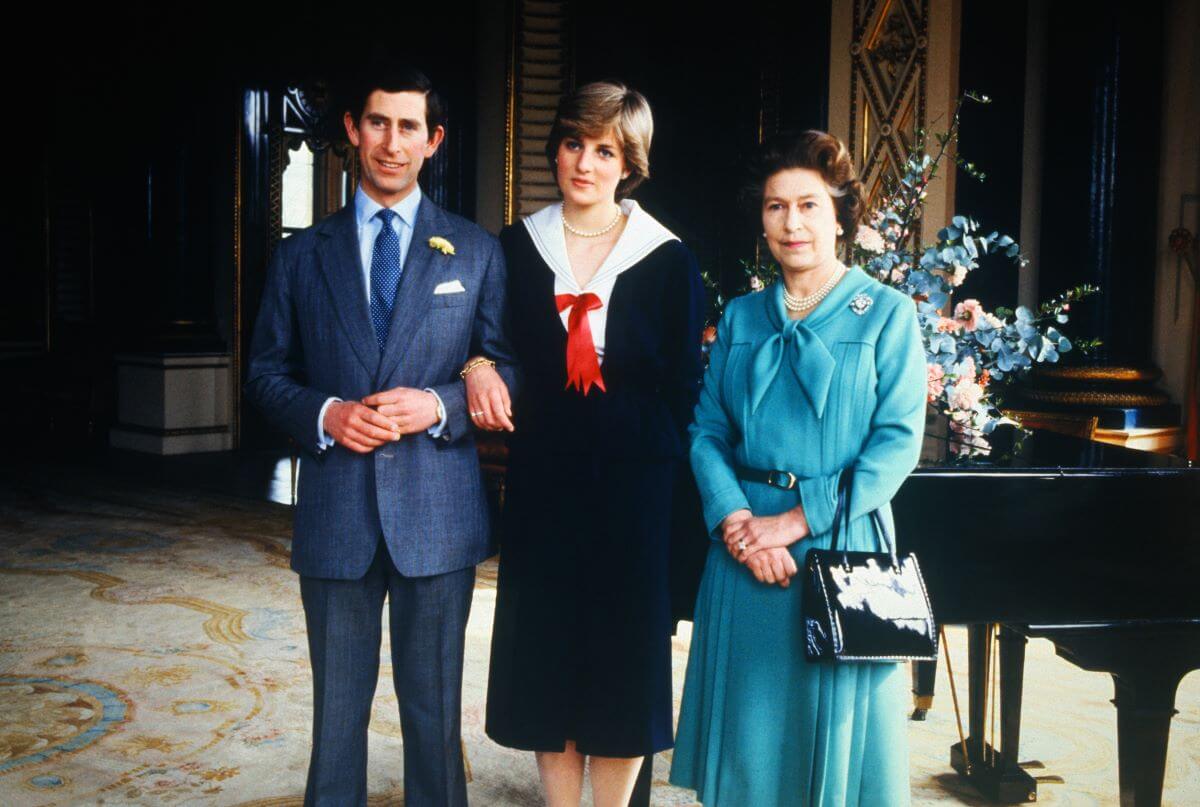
x=385, y=276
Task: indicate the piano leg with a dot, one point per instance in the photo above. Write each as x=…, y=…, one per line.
x=995, y=772
x=977, y=687
x=924, y=678
x=1147, y=662
x=1012, y=687
x=976, y=693
x=1145, y=707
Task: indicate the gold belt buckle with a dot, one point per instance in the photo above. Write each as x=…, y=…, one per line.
x=774, y=477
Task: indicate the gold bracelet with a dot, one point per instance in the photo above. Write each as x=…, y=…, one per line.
x=475, y=364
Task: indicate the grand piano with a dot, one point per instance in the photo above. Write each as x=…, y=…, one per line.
x=1092, y=546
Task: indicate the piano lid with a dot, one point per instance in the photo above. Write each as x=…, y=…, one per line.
x=1040, y=453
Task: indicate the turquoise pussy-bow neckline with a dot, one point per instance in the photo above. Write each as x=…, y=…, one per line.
x=795, y=345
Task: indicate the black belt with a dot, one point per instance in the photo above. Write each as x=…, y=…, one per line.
x=784, y=480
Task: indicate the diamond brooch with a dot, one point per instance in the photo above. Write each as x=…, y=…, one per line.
x=861, y=302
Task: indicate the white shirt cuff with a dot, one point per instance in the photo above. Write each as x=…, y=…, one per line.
x=324, y=441
x=436, y=430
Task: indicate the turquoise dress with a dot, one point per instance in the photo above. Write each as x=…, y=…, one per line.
x=759, y=724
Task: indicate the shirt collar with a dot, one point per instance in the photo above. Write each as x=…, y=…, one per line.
x=642, y=234
x=365, y=207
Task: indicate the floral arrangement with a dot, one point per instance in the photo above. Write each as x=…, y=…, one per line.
x=968, y=349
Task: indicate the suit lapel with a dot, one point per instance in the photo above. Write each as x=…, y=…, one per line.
x=422, y=268
x=341, y=265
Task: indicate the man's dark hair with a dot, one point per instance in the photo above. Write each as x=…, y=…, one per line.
x=402, y=79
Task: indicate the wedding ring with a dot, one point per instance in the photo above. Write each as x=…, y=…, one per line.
x=742, y=545
x=476, y=414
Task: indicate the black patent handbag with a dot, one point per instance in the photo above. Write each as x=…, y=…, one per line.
x=865, y=606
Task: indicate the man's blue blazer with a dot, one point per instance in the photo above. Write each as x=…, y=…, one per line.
x=313, y=339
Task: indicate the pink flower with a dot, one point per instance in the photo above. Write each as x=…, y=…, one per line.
x=968, y=312
x=933, y=381
x=966, y=395
x=869, y=239
x=960, y=274
x=968, y=440
x=947, y=325
x=756, y=283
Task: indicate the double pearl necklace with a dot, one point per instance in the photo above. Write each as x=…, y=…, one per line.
x=792, y=303
x=562, y=212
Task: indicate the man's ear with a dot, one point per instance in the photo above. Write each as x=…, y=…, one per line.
x=352, y=128
x=435, y=140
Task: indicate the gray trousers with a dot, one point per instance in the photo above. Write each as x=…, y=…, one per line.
x=428, y=619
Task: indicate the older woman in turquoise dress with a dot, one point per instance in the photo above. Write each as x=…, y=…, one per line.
x=821, y=372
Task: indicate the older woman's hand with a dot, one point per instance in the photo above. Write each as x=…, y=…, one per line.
x=773, y=565
x=488, y=403
x=729, y=524
x=758, y=533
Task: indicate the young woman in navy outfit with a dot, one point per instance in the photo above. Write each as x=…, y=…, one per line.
x=606, y=309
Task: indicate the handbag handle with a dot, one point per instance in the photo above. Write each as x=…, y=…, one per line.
x=841, y=520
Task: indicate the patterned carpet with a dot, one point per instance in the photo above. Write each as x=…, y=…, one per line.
x=152, y=652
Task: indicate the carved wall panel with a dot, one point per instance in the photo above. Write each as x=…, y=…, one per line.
x=539, y=72
x=888, y=100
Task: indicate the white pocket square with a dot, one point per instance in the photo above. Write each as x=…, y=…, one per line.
x=449, y=287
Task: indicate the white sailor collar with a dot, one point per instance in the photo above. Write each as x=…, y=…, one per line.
x=642, y=235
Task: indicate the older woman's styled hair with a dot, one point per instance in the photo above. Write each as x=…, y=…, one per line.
x=817, y=151
x=593, y=109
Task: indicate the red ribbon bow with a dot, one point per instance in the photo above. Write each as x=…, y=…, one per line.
x=583, y=368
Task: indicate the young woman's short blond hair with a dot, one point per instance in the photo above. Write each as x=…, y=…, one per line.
x=592, y=110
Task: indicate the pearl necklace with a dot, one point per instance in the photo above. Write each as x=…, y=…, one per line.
x=562, y=212
x=804, y=303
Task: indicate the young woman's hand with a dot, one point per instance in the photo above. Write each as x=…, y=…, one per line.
x=488, y=404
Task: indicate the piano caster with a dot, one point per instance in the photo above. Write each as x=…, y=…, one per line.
x=921, y=706
x=997, y=781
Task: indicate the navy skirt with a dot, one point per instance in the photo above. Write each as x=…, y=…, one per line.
x=581, y=648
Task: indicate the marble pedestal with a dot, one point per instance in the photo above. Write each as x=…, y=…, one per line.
x=176, y=403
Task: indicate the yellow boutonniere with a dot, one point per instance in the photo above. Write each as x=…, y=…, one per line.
x=441, y=245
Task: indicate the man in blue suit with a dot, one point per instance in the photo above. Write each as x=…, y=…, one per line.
x=366, y=320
